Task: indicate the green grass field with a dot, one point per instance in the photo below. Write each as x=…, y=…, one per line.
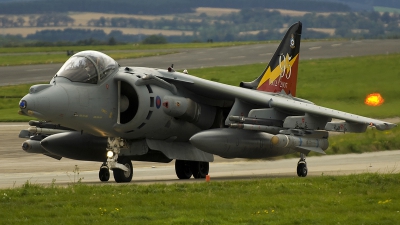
x=47, y=55
x=354, y=199
x=124, y=47
x=386, y=9
x=23, y=59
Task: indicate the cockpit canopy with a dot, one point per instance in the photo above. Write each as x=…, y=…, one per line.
x=88, y=67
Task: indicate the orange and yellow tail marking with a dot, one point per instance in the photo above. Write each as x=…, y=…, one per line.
x=285, y=65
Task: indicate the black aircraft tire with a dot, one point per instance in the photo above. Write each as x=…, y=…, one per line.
x=121, y=176
x=302, y=169
x=182, y=169
x=104, y=174
x=199, y=169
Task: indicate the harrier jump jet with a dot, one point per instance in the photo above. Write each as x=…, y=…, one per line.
x=93, y=109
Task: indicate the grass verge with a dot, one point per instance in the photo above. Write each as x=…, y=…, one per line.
x=125, y=47
x=14, y=60
x=355, y=199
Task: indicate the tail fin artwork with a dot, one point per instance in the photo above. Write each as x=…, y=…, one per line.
x=281, y=72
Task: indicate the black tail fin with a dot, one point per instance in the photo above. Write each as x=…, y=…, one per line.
x=281, y=72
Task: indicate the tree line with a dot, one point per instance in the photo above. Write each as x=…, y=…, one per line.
x=44, y=20
x=233, y=26
x=161, y=7
x=245, y=25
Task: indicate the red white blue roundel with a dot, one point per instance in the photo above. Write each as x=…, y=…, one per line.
x=158, y=102
x=292, y=42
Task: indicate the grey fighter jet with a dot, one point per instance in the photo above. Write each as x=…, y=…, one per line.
x=94, y=109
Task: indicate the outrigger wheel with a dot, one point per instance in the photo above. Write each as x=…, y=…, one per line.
x=302, y=166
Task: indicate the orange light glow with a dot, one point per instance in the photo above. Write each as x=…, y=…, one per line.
x=374, y=99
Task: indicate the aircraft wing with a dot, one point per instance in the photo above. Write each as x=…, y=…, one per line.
x=212, y=92
x=327, y=112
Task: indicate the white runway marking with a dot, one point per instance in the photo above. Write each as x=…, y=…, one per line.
x=237, y=57
x=172, y=61
x=315, y=48
x=44, y=69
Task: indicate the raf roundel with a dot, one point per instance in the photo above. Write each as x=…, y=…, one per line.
x=158, y=102
x=292, y=42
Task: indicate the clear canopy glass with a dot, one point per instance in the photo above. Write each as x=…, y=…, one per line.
x=88, y=67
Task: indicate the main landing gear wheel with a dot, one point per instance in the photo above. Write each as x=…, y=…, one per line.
x=199, y=169
x=121, y=176
x=185, y=169
x=182, y=169
x=302, y=166
x=104, y=173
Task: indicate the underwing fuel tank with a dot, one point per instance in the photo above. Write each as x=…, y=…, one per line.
x=74, y=145
x=237, y=143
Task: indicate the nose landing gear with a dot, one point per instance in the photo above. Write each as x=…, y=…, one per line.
x=121, y=166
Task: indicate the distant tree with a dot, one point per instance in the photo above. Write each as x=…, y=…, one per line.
x=386, y=17
x=6, y=21
x=393, y=27
x=342, y=31
x=203, y=15
x=112, y=41
x=155, y=39
x=53, y=19
x=374, y=16
x=20, y=21
x=102, y=22
x=376, y=31
x=32, y=21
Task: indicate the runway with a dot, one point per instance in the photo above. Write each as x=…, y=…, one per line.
x=381, y=162
x=17, y=167
x=210, y=57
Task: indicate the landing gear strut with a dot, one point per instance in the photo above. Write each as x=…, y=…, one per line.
x=185, y=169
x=302, y=166
x=122, y=166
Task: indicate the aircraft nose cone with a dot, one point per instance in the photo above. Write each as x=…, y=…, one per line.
x=44, y=102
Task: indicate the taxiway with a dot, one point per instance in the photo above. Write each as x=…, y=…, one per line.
x=210, y=57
